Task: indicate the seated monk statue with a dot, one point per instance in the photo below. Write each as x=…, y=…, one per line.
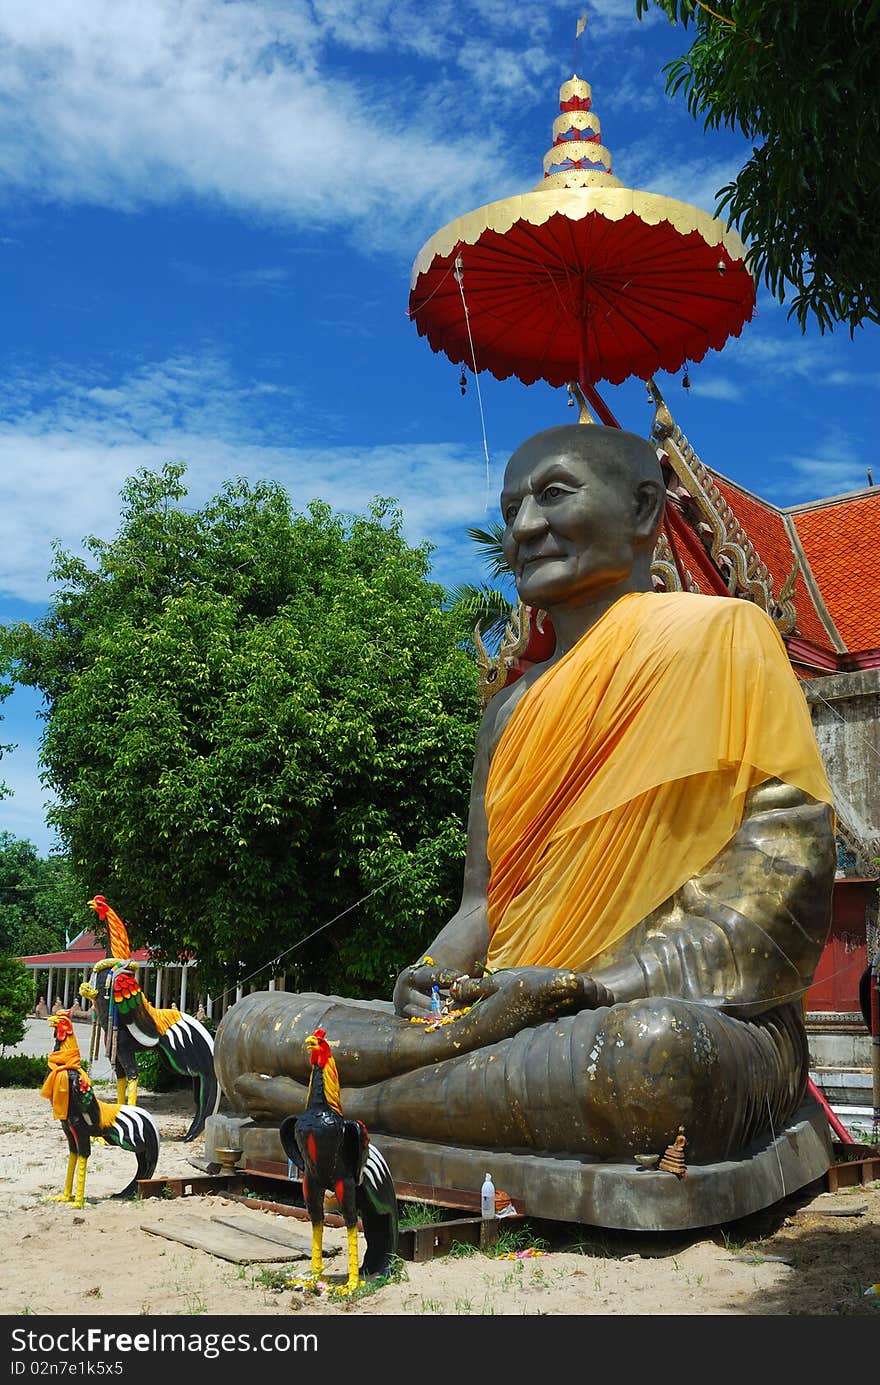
x=647, y=884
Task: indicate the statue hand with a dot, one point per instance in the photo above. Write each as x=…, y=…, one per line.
x=569, y=989
x=412, y=990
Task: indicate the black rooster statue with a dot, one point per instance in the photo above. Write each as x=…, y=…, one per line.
x=84, y=1117
x=129, y=1022
x=336, y=1155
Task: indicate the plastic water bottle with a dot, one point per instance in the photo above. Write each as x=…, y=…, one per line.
x=487, y=1197
x=436, y=1007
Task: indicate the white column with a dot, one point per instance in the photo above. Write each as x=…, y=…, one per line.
x=183, y=987
x=50, y=991
x=157, y=994
x=209, y=1007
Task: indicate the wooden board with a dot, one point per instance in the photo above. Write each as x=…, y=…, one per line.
x=298, y=1242
x=226, y=1242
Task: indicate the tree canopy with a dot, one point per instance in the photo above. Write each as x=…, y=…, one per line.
x=16, y=1000
x=800, y=78
x=40, y=902
x=258, y=722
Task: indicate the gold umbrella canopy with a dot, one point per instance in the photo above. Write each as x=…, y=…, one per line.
x=580, y=279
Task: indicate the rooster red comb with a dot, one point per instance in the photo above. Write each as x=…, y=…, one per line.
x=99, y=904
x=62, y=1025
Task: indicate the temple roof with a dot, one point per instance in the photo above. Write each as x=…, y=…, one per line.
x=840, y=538
x=812, y=567
x=83, y=951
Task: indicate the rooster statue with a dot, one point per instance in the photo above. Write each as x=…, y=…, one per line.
x=336, y=1155
x=130, y=1022
x=84, y=1117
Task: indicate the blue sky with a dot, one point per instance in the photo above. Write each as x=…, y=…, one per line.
x=208, y=219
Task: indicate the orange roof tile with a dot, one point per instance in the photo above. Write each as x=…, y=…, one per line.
x=841, y=538
x=765, y=526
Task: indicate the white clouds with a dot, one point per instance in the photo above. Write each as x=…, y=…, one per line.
x=720, y=388
x=651, y=166
x=834, y=466
x=126, y=105
x=267, y=109
x=65, y=463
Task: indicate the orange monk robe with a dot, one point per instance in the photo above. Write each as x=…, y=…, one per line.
x=623, y=770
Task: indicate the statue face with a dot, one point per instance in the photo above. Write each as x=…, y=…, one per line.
x=570, y=520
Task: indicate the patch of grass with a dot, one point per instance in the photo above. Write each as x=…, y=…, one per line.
x=515, y=1238
x=458, y=1250
x=419, y=1213
x=276, y=1280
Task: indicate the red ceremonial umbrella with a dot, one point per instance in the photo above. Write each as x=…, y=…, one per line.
x=581, y=279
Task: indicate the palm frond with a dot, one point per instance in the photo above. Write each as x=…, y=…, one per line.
x=482, y=604
x=490, y=542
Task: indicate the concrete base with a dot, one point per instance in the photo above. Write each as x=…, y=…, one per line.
x=618, y=1196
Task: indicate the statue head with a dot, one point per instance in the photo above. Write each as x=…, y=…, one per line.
x=582, y=506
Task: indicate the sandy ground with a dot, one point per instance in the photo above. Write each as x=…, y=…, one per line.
x=796, y=1258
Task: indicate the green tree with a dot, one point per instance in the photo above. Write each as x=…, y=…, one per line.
x=6, y=686
x=801, y=79
x=16, y=1000
x=40, y=901
x=259, y=733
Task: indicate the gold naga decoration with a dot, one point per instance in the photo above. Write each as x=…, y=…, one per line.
x=665, y=573
x=494, y=670
x=729, y=546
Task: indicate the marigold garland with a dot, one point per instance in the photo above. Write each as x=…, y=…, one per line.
x=434, y=1021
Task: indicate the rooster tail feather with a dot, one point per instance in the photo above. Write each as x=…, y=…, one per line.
x=377, y=1204
x=134, y=1129
x=189, y=1049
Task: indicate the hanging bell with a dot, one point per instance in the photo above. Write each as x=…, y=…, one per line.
x=570, y=397
x=462, y=382
x=686, y=379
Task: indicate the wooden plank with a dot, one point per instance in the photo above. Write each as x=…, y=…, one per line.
x=299, y=1243
x=456, y=1199
x=430, y=1239
x=827, y=1205
x=462, y=1199
x=221, y=1241
x=284, y=1209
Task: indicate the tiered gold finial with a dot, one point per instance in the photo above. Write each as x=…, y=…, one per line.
x=577, y=158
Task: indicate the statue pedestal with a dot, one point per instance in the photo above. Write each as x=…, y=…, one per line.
x=617, y=1196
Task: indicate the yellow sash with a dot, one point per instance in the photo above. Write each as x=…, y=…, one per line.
x=623, y=770
x=56, y=1087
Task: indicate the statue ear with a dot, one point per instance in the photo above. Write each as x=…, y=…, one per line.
x=650, y=501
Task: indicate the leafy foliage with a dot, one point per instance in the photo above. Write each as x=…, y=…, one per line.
x=479, y=604
x=6, y=686
x=39, y=899
x=259, y=733
x=802, y=80
x=16, y=1000
x=156, y=1074
x=21, y=1070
